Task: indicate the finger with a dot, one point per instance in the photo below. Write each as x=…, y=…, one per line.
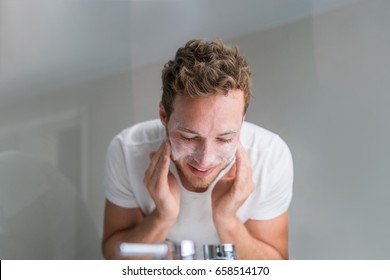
x=243, y=171
x=160, y=179
x=161, y=169
x=242, y=156
x=239, y=167
x=155, y=158
x=239, y=160
x=155, y=155
x=151, y=155
x=163, y=164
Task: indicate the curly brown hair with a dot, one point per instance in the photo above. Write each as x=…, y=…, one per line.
x=203, y=68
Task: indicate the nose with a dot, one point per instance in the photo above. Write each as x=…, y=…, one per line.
x=204, y=155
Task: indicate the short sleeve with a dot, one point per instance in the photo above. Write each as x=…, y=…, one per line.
x=274, y=196
x=116, y=182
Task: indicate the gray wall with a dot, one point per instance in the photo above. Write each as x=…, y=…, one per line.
x=70, y=130
x=321, y=83
x=324, y=85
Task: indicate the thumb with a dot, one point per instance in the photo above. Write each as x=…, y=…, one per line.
x=151, y=155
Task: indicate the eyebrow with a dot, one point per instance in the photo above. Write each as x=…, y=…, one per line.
x=229, y=132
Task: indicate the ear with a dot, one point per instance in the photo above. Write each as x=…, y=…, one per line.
x=163, y=115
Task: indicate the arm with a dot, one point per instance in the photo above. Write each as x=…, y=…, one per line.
x=256, y=239
x=129, y=224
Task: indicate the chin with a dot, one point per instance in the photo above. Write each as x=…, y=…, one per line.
x=196, y=182
x=202, y=183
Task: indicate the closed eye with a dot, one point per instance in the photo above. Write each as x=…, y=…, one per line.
x=189, y=139
x=223, y=140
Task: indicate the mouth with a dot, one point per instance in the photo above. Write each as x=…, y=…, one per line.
x=201, y=172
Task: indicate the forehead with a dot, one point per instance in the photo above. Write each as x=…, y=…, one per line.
x=218, y=110
x=234, y=100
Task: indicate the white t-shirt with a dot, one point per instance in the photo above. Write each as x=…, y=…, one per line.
x=272, y=168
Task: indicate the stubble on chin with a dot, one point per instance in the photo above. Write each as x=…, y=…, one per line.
x=191, y=181
x=198, y=183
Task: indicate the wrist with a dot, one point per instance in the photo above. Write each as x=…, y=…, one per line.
x=226, y=224
x=165, y=219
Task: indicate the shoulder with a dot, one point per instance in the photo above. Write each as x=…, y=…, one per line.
x=254, y=137
x=261, y=144
x=272, y=172
x=142, y=133
x=137, y=140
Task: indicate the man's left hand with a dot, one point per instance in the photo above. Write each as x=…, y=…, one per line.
x=233, y=189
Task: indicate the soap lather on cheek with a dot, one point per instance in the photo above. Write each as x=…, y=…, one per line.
x=180, y=151
x=227, y=152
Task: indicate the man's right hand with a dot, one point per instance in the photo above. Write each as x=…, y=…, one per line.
x=162, y=184
x=130, y=224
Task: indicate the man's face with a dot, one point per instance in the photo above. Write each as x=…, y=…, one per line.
x=204, y=134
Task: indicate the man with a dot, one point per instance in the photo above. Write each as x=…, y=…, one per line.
x=200, y=172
